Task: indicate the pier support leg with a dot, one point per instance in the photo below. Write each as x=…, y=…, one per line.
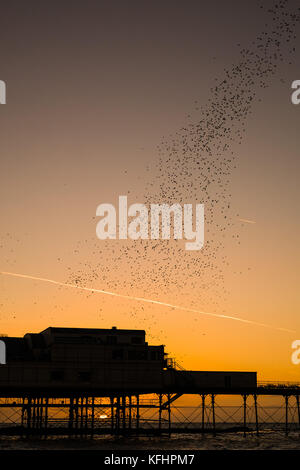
x=256, y=414
x=169, y=414
x=41, y=412
x=46, y=415
x=286, y=415
x=298, y=409
x=112, y=414
x=129, y=416
x=38, y=413
x=23, y=412
x=137, y=412
x=93, y=417
x=76, y=414
x=124, y=412
x=33, y=407
x=29, y=410
x=203, y=414
x=43, y=407
x=160, y=412
x=118, y=416
x=81, y=415
x=86, y=417
x=213, y=414
x=37, y=424
x=71, y=415
x=245, y=413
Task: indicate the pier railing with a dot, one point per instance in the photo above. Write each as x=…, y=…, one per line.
x=278, y=384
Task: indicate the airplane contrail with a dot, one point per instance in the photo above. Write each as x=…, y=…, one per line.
x=248, y=221
x=142, y=299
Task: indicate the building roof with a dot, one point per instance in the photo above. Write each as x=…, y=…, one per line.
x=92, y=331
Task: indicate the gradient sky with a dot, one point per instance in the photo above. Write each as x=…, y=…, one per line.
x=92, y=88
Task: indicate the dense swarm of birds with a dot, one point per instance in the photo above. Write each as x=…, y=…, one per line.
x=194, y=165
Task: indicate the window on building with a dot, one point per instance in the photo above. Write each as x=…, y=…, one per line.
x=137, y=355
x=137, y=340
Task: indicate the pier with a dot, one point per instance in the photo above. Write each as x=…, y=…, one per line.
x=90, y=414
x=88, y=382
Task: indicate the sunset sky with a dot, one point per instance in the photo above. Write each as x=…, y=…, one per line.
x=93, y=89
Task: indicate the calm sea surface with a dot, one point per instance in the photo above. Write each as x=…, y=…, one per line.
x=270, y=439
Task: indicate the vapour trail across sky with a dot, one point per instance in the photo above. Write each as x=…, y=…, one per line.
x=142, y=299
x=248, y=221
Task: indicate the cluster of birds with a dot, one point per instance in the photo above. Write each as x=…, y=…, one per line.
x=195, y=165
